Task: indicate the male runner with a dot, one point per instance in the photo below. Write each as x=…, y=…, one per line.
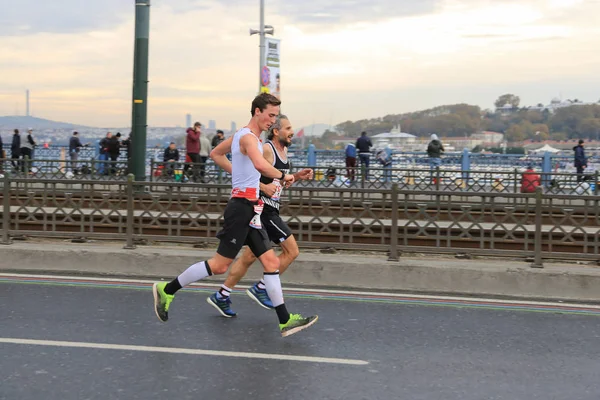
x=242, y=218
x=275, y=152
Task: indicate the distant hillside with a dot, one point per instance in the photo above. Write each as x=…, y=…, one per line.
x=21, y=122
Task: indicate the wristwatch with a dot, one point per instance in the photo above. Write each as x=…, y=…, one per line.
x=282, y=176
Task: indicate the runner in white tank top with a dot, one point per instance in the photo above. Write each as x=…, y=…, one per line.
x=247, y=165
x=245, y=177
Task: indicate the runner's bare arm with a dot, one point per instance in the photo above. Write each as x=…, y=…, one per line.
x=268, y=153
x=219, y=154
x=304, y=174
x=248, y=146
x=271, y=188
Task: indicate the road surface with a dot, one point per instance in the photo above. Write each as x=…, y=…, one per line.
x=63, y=338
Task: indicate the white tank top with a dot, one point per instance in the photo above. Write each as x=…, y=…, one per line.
x=244, y=177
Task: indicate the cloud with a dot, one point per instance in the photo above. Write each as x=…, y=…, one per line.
x=340, y=60
x=316, y=12
x=24, y=17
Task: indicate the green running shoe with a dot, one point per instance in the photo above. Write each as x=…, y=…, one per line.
x=162, y=301
x=296, y=323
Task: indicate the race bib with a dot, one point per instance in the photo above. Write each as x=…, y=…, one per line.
x=277, y=194
x=258, y=209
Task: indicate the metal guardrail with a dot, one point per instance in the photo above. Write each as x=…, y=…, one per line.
x=65, y=169
x=392, y=220
x=336, y=158
x=416, y=178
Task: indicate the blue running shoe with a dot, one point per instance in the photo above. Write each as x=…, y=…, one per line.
x=260, y=296
x=223, y=306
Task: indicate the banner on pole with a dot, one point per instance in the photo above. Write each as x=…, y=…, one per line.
x=270, y=74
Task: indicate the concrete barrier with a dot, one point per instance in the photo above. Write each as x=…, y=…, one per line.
x=497, y=277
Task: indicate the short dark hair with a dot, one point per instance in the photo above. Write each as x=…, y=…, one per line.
x=220, y=131
x=197, y=124
x=363, y=133
x=16, y=131
x=262, y=101
x=580, y=141
x=276, y=125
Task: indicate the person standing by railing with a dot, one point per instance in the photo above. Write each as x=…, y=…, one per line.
x=434, y=151
x=204, y=152
x=384, y=156
x=103, y=154
x=27, y=149
x=192, y=148
x=218, y=138
x=351, y=161
x=114, y=151
x=74, y=147
x=15, y=150
x=363, y=145
x=580, y=160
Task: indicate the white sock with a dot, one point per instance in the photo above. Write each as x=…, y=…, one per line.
x=223, y=293
x=273, y=286
x=194, y=273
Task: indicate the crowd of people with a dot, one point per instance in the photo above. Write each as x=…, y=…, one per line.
x=197, y=151
x=193, y=167
x=21, y=149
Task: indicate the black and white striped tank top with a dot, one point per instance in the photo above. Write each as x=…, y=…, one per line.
x=283, y=166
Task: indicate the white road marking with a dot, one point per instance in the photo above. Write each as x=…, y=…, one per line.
x=327, y=291
x=176, y=350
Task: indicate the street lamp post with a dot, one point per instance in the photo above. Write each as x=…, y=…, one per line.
x=262, y=31
x=139, y=112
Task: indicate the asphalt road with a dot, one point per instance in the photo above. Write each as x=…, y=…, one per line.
x=362, y=348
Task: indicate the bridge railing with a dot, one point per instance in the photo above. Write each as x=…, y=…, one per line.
x=535, y=225
x=314, y=157
x=415, y=177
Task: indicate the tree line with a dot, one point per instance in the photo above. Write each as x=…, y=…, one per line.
x=462, y=120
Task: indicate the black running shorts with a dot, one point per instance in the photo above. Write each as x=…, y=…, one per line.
x=237, y=231
x=271, y=221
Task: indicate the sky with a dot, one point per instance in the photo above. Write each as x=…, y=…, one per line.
x=340, y=59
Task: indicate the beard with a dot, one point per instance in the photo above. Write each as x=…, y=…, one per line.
x=284, y=142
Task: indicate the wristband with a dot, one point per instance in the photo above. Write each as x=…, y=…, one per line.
x=282, y=176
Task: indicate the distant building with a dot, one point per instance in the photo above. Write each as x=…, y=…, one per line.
x=557, y=103
x=188, y=120
x=233, y=127
x=554, y=105
x=395, y=139
x=212, y=124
